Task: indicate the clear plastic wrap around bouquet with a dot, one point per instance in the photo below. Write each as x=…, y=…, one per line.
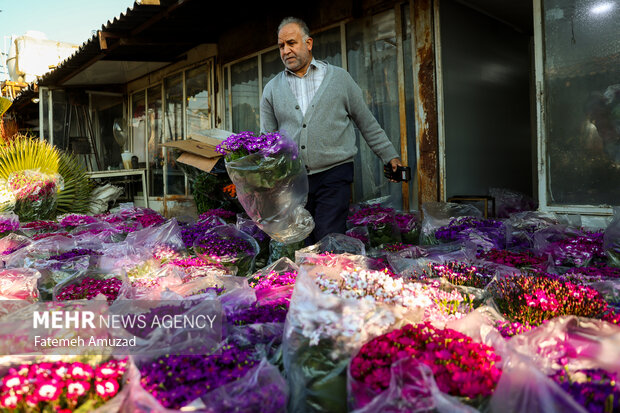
x=35, y=194
x=228, y=247
x=338, y=304
x=380, y=221
x=271, y=182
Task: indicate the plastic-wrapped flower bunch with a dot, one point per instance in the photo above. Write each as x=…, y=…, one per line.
x=577, y=251
x=487, y=233
x=9, y=222
x=522, y=260
x=88, y=288
x=61, y=386
x=35, y=194
x=379, y=286
x=595, y=389
x=380, y=222
x=228, y=216
x=271, y=183
x=460, y=366
x=532, y=300
x=228, y=247
x=459, y=273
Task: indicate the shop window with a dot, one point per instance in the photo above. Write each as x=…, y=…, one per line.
x=154, y=135
x=327, y=47
x=108, y=111
x=582, y=101
x=60, y=125
x=137, y=126
x=271, y=65
x=198, y=89
x=227, y=117
x=244, y=96
x=173, y=131
x=372, y=62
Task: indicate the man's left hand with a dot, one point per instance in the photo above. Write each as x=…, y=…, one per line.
x=395, y=163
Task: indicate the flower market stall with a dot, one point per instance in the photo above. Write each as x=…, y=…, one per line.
x=442, y=310
x=480, y=319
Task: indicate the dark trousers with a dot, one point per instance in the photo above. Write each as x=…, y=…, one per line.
x=328, y=201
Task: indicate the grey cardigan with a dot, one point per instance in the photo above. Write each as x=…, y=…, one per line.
x=325, y=134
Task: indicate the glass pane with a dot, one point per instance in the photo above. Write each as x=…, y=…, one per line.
x=582, y=68
x=198, y=110
x=59, y=115
x=326, y=47
x=227, y=125
x=244, y=83
x=173, y=131
x=46, y=121
x=371, y=57
x=106, y=110
x=138, y=126
x=271, y=65
x=173, y=88
x=154, y=141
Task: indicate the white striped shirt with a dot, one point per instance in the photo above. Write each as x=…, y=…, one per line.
x=306, y=86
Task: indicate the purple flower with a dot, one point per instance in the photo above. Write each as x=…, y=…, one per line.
x=150, y=220
x=190, y=233
x=273, y=279
x=373, y=215
x=213, y=245
x=88, y=288
x=76, y=252
x=246, y=143
x=595, y=389
x=217, y=212
x=273, y=312
x=459, y=228
x=41, y=226
x=8, y=225
x=175, y=380
x=578, y=250
x=74, y=220
x=406, y=222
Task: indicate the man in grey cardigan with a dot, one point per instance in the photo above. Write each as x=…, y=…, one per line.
x=316, y=105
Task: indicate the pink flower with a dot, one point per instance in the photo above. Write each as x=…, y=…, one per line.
x=109, y=370
x=107, y=388
x=13, y=381
x=81, y=371
x=461, y=367
x=76, y=389
x=9, y=400
x=48, y=390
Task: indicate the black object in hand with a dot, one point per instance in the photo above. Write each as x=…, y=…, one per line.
x=402, y=173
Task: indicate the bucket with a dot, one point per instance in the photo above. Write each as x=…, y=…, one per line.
x=126, y=156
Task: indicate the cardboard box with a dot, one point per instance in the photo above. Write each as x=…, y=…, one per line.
x=199, y=149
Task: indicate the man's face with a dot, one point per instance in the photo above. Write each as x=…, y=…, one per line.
x=294, y=52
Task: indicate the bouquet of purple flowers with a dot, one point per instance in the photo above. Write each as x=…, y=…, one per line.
x=271, y=183
x=228, y=247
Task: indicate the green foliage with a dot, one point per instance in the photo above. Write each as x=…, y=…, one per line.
x=208, y=192
x=28, y=153
x=75, y=197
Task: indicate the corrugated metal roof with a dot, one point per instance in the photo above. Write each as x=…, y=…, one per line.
x=165, y=32
x=144, y=33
